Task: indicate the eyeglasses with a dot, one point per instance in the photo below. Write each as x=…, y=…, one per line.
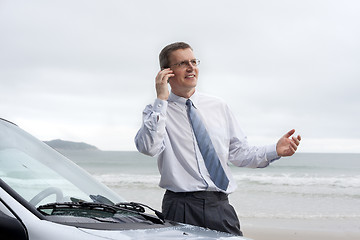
x=193, y=62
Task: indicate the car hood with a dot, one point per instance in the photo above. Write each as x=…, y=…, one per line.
x=177, y=232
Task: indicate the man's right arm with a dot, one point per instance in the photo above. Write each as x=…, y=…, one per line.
x=149, y=139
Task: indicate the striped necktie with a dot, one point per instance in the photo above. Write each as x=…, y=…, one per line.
x=212, y=162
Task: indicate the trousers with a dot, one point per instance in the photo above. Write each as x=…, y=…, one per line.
x=205, y=209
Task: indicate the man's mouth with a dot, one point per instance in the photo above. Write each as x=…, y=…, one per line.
x=190, y=76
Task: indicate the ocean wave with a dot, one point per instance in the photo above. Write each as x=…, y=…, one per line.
x=116, y=180
x=286, y=184
x=340, y=181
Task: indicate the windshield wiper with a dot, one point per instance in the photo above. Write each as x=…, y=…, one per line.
x=101, y=199
x=105, y=209
x=139, y=207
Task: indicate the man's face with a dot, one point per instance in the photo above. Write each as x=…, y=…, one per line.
x=186, y=75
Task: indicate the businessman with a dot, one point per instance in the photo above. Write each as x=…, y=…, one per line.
x=195, y=136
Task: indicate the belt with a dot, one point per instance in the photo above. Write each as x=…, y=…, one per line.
x=198, y=194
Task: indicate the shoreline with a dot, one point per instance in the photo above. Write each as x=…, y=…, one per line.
x=300, y=229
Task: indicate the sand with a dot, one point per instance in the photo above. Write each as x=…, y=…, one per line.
x=290, y=229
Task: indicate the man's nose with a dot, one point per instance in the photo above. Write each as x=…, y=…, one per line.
x=189, y=65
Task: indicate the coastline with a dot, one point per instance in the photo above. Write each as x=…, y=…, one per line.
x=300, y=229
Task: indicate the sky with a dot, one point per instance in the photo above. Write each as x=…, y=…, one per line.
x=84, y=70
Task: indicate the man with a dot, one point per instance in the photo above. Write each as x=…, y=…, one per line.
x=194, y=136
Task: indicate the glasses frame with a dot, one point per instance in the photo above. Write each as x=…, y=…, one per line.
x=193, y=62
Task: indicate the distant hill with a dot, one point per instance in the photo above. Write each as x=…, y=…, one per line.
x=68, y=145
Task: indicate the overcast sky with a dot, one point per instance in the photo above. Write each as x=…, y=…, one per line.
x=84, y=70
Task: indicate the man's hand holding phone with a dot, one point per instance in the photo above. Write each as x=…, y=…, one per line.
x=161, y=82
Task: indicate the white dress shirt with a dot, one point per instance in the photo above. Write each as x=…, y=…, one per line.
x=166, y=132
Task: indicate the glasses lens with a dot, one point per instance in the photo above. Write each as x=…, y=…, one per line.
x=182, y=64
x=195, y=62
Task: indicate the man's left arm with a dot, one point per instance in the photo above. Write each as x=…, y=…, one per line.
x=242, y=154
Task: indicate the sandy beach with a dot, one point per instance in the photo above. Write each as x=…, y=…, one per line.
x=284, y=229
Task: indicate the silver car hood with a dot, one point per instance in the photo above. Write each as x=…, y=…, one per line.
x=177, y=232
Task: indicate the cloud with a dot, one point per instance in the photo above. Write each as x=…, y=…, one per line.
x=89, y=67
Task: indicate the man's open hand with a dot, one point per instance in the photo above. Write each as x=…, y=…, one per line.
x=287, y=146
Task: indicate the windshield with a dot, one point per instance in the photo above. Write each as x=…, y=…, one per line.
x=41, y=175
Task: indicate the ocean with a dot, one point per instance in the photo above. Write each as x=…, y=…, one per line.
x=306, y=186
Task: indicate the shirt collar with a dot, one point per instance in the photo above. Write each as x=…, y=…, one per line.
x=182, y=101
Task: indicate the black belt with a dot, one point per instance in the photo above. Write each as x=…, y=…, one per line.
x=198, y=194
